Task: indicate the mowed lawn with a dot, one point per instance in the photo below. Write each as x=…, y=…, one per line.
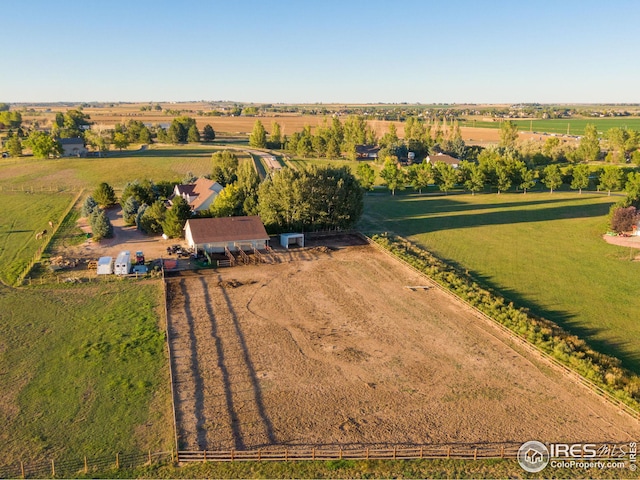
x=542, y=251
x=83, y=371
x=22, y=215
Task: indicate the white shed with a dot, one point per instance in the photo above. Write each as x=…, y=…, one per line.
x=287, y=239
x=105, y=266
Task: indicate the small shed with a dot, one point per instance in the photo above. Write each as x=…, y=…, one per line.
x=287, y=239
x=105, y=266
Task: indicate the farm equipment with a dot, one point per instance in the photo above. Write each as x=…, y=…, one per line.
x=139, y=258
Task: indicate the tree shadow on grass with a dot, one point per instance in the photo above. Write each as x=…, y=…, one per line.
x=563, y=318
x=428, y=222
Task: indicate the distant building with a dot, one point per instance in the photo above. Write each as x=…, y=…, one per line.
x=444, y=158
x=199, y=195
x=73, y=147
x=235, y=233
x=367, y=151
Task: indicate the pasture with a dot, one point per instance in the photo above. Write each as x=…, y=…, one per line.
x=332, y=349
x=566, y=126
x=542, y=251
x=23, y=215
x=157, y=163
x=88, y=377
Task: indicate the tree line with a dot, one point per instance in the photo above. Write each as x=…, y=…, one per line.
x=313, y=199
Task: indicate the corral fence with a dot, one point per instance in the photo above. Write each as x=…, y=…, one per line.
x=565, y=370
x=38, y=255
x=285, y=454
x=29, y=188
x=70, y=468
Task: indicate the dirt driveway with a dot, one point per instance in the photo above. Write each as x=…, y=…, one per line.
x=124, y=238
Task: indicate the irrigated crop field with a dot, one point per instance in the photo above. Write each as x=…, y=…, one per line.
x=333, y=349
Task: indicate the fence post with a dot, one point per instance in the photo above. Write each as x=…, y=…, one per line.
x=395, y=449
x=367, y=453
x=149, y=457
x=22, y=469
x=313, y=453
x=286, y=454
x=259, y=454
x=448, y=452
x=475, y=453
x=232, y=454
x=340, y=453
x=204, y=457
x=502, y=451
x=421, y=452
x=53, y=468
x=86, y=466
x=117, y=461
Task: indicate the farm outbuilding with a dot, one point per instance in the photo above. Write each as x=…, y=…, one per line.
x=287, y=239
x=235, y=233
x=105, y=266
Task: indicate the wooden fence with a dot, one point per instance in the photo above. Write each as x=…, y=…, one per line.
x=285, y=454
x=568, y=372
x=38, y=255
x=71, y=468
x=29, y=188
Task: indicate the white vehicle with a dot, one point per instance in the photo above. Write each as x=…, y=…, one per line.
x=123, y=263
x=105, y=266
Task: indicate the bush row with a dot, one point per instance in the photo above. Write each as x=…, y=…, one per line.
x=603, y=370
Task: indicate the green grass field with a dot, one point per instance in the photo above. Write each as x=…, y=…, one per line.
x=23, y=215
x=452, y=468
x=542, y=251
x=83, y=372
x=571, y=126
x=157, y=164
x=352, y=165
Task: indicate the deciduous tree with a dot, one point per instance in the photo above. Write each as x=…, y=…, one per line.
x=258, y=137
x=392, y=175
x=552, y=178
x=580, y=177
x=176, y=217
x=225, y=166
x=366, y=175
x=610, y=179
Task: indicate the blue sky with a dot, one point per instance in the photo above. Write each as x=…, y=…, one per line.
x=321, y=51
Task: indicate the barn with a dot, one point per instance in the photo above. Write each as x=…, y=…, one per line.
x=235, y=233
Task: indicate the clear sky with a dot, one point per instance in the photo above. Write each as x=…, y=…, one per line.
x=326, y=51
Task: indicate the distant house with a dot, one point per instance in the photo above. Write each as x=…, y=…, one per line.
x=199, y=195
x=234, y=233
x=367, y=151
x=73, y=147
x=444, y=158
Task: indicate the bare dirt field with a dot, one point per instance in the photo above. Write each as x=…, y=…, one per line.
x=330, y=348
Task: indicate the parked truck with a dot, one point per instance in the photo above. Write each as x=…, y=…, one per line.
x=123, y=263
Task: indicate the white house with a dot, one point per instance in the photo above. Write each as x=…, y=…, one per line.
x=199, y=195
x=234, y=233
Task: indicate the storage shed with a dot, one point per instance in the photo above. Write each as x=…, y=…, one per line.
x=235, y=233
x=287, y=239
x=105, y=266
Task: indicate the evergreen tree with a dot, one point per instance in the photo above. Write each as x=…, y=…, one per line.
x=104, y=195
x=130, y=210
x=176, y=217
x=100, y=225
x=208, y=134
x=88, y=207
x=193, y=135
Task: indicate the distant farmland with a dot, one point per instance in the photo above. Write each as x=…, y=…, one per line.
x=565, y=126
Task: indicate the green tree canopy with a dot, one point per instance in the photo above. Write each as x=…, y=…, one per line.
x=193, y=134
x=316, y=198
x=472, y=176
x=275, y=137
x=101, y=226
x=366, y=175
x=13, y=146
x=130, y=210
x=392, y=175
x=225, y=167
x=43, y=145
x=104, y=195
x=258, y=137
x=610, y=178
x=228, y=203
x=589, y=148
x=580, y=178
x=552, y=177
x=208, y=134
x=176, y=217
x=89, y=206
x=508, y=134
x=151, y=218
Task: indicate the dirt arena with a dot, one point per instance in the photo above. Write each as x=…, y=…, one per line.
x=330, y=348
